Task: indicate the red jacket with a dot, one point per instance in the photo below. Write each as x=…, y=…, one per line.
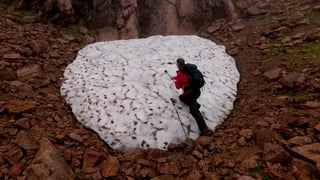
x=181, y=80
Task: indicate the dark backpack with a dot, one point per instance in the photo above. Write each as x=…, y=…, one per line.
x=196, y=78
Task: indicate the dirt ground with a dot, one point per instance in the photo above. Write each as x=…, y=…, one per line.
x=272, y=133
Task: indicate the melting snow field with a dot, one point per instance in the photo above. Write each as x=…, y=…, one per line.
x=119, y=89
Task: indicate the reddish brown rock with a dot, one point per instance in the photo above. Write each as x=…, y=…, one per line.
x=164, y=177
x=12, y=56
x=215, y=26
x=245, y=178
x=197, y=154
x=169, y=168
x=48, y=164
x=146, y=173
x=23, y=123
x=188, y=161
x=30, y=72
x=246, y=133
x=301, y=169
x=145, y=162
x=210, y=176
x=133, y=155
x=7, y=75
x=155, y=153
x=19, y=106
x=309, y=151
x=129, y=171
x=293, y=79
x=110, y=167
x=204, y=140
x=317, y=128
x=16, y=169
x=237, y=26
x=273, y=73
x=299, y=122
x=311, y=105
x=285, y=131
x=75, y=137
x=274, y=153
x=250, y=162
x=38, y=46
x=75, y=162
x=14, y=155
x=26, y=141
x=265, y=136
x=22, y=87
x=90, y=157
x=276, y=171
x=192, y=174
x=299, y=140
x=242, y=141
x=280, y=101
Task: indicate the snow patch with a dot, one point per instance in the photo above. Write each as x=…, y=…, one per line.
x=119, y=89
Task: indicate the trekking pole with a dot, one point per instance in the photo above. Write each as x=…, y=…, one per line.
x=168, y=74
x=173, y=101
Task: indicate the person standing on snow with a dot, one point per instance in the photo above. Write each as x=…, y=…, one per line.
x=190, y=96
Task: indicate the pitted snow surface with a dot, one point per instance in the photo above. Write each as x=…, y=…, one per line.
x=119, y=89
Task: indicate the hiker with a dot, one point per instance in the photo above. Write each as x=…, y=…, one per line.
x=190, y=96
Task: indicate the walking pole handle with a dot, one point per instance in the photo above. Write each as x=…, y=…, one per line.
x=168, y=74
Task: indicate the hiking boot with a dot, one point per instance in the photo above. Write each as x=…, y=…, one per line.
x=206, y=132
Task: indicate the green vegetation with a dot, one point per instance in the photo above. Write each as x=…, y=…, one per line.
x=314, y=16
x=263, y=21
x=2, y=6
x=81, y=22
x=295, y=54
x=55, y=17
x=265, y=178
x=69, y=30
x=299, y=55
x=255, y=170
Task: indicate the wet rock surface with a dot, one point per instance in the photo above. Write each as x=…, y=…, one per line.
x=273, y=131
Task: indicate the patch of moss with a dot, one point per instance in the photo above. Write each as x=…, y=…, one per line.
x=265, y=178
x=81, y=22
x=68, y=31
x=315, y=73
x=263, y=21
x=3, y=94
x=297, y=94
x=255, y=170
x=299, y=55
x=55, y=16
x=2, y=6
x=314, y=16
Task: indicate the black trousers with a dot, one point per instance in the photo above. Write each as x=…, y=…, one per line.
x=191, y=100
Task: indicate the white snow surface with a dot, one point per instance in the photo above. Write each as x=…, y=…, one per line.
x=119, y=89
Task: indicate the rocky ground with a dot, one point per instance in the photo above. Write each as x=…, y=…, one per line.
x=273, y=132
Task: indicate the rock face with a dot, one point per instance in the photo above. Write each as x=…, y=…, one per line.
x=128, y=19
x=139, y=18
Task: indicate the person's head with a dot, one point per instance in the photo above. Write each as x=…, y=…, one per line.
x=180, y=63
